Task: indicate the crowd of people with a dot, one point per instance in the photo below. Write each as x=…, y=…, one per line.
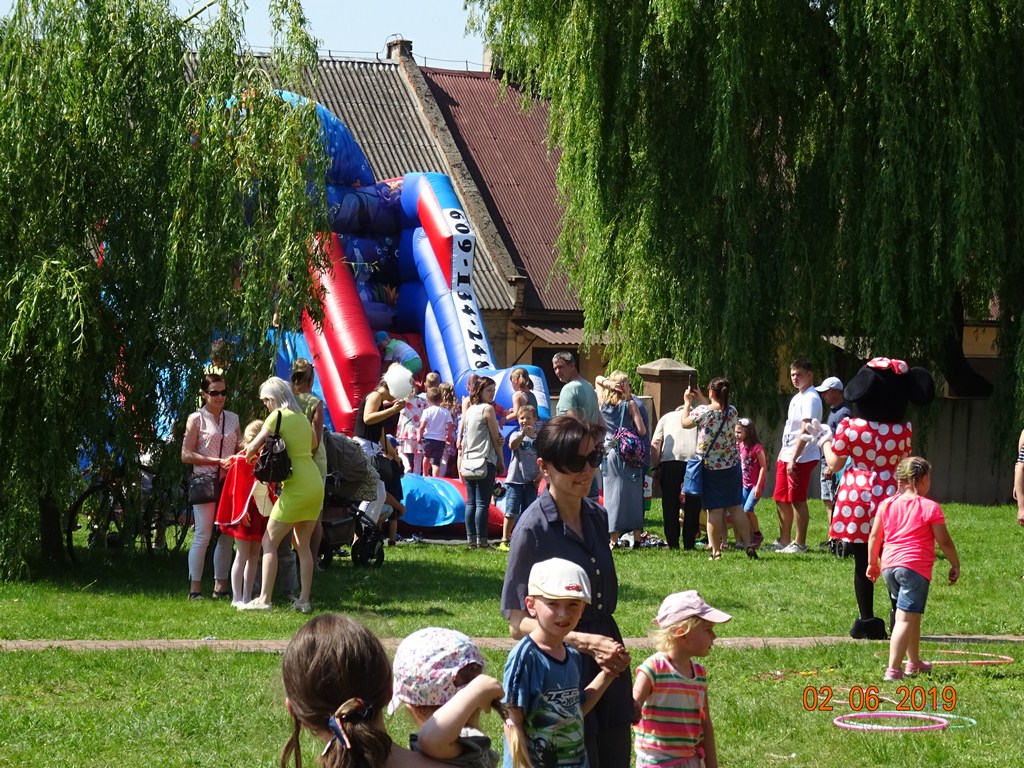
x=570, y=694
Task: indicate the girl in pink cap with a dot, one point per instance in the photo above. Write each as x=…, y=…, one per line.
x=670, y=697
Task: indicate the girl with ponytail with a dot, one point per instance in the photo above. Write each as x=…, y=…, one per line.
x=337, y=680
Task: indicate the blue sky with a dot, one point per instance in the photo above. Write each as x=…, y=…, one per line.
x=436, y=27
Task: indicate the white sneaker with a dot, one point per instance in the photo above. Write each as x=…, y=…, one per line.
x=793, y=549
x=777, y=545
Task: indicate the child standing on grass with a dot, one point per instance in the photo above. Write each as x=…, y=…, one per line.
x=910, y=525
x=242, y=513
x=523, y=474
x=436, y=430
x=438, y=676
x=755, y=471
x=670, y=697
x=543, y=686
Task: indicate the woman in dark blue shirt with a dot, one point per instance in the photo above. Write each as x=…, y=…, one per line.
x=564, y=523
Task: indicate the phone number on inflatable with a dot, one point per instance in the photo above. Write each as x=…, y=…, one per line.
x=861, y=699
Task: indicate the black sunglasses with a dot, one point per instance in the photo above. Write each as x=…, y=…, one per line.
x=577, y=462
x=217, y=393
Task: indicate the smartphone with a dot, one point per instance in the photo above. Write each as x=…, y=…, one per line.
x=691, y=381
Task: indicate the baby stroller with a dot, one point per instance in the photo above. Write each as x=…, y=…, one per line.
x=351, y=478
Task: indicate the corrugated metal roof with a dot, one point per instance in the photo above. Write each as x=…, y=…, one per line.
x=505, y=148
x=373, y=100
x=553, y=333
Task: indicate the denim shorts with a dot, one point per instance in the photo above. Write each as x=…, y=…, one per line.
x=908, y=588
x=749, y=501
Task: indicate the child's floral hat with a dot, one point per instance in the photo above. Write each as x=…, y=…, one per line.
x=426, y=666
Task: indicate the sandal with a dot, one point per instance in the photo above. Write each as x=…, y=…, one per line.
x=217, y=594
x=195, y=595
x=715, y=556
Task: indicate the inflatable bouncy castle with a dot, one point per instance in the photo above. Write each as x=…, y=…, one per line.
x=402, y=251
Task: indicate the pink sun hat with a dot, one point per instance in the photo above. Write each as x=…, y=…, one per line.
x=427, y=664
x=684, y=605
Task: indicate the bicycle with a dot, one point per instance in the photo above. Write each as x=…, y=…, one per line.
x=124, y=503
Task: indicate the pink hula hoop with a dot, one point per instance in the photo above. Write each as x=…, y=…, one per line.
x=989, y=658
x=934, y=723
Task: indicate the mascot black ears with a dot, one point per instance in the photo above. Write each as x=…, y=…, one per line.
x=881, y=390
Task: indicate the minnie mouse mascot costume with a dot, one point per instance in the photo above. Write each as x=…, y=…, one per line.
x=873, y=441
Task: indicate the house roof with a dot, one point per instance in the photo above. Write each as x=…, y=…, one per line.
x=506, y=151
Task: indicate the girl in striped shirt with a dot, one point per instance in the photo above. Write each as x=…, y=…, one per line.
x=670, y=698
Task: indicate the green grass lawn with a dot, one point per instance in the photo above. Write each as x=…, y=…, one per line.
x=179, y=708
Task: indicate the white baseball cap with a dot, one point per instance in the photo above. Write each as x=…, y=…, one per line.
x=830, y=383
x=684, y=605
x=559, y=579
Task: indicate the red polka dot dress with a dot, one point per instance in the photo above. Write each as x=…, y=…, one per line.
x=875, y=449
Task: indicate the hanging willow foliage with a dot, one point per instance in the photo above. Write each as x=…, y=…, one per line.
x=155, y=197
x=742, y=181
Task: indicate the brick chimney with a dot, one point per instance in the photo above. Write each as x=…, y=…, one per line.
x=398, y=48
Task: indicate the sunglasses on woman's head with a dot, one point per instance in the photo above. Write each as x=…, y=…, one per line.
x=576, y=463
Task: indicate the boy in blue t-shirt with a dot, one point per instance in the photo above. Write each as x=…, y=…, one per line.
x=523, y=474
x=543, y=675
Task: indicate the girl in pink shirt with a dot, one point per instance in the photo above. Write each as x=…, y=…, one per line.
x=910, y=525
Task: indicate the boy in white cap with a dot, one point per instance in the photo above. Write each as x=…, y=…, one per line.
x=438, y=676
x=543, y=688
x=670, y=701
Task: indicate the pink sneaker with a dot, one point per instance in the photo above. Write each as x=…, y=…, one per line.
x=893, y=674
x=913, y=669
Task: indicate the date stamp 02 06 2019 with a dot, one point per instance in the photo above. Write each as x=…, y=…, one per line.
x=868, y=699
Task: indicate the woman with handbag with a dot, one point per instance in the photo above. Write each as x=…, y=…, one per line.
x=212, y=436
x=719, y=462
x=623, y=472
x=302, y=492
x=480, y=459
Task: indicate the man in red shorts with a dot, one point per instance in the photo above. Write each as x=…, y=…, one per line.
x=797, y=460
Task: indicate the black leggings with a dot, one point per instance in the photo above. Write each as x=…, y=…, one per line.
x=863, y=587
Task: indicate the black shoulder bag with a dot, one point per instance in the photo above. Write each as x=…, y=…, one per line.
x=273, y=465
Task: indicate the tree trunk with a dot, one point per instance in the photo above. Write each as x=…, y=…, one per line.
x=962, y=379
x=51, y=531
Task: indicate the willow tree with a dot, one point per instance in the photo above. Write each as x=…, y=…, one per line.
x=743, y=181
x=155, y=195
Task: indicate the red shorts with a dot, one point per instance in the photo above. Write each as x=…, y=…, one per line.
x=790, y=488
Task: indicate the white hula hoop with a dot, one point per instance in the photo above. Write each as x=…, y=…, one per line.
x=934, y=722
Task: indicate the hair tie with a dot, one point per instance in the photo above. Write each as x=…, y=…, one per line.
x=339, y=733
x=363, y=711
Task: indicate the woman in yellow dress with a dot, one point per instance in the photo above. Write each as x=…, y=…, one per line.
x=302, y=493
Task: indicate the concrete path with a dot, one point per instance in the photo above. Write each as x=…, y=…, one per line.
x=496, y=643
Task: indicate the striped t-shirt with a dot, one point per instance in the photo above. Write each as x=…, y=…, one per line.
x=670, y=730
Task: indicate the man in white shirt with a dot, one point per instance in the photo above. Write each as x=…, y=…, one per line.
x=797, y=460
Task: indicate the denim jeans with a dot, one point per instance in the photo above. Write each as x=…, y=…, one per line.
x=518, y=496
x=478, y=503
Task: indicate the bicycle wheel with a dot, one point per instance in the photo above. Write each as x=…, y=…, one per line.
x=168, y=516
x=95, y=523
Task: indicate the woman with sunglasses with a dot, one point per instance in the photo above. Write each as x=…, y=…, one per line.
x=564, y=523
x=212, y=437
